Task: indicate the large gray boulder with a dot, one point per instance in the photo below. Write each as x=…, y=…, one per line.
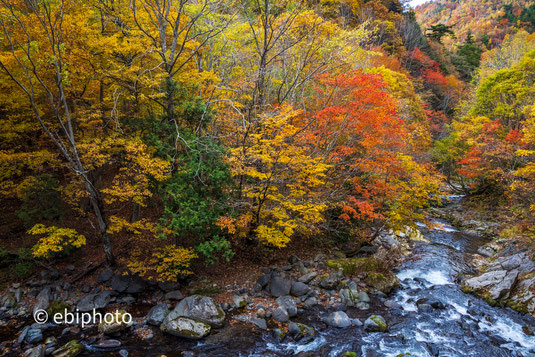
x=129, y=284
x=198, y=308
x=301, y=332
x=288, y=303
x=280, y=314
x=104, y=276
x=279, y=286
x=187, y=328
x=33, y=336
x=299, y=289
x=43, y=300
x=308, y=277
x=490, y=278
x=330, y=282
x=95, y=301
x=157, y=314
x=519, y=261
x=503, y=288
x=120, y=321
x=375, y=323
x=353, y=297
x=338, y=319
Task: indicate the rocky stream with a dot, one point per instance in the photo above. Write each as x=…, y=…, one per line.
x=311, y=314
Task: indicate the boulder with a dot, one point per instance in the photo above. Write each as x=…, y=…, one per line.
x=38, y=351
x=384, y=282
x=70, y=349
x=330, y=282
x=482, y=281
x=503, y=288
x=498, y=283
x=95, y=301
x=518, y=261
x=43, y=300
x=338, y=319
x=240, y=301
x=301, y=332
x=168, y=286
x=299, y=289
x=185, y=327
x=33, y=335
x=104, y=276
x=157, y=314
x=311, y=302
x=278, y=335
x=259, y=322
x=375, y=323
x=264, y=280
x=486, y=251
x=279, y=286
x=289, y=304
x=174, y=295
x=352, y=297
x=198, y=308
x=120, y=321
x=280, y=314
x=130, y=284
x=308, y=277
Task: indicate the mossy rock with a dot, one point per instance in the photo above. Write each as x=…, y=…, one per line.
x=70, y=349
x=187, y=328
x=519, y=307
x=384, y=282
x=58, y=307
x=375, y=323
x=350, y=354
x=352, y=266
x=121, y=320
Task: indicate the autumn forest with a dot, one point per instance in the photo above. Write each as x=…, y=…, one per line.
x=176, y=141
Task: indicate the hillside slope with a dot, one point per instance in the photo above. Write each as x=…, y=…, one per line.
x=488, y=20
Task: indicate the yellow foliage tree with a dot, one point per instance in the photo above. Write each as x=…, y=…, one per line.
x=281, y=179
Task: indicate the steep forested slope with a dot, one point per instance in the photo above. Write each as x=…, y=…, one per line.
x=488, y=20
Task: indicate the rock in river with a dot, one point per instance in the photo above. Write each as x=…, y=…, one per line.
x=157, y=314
x=375, y=323
x=338, y=319
x=185, y=327
x=198, y=308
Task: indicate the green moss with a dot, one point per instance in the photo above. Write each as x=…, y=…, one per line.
x=522, y=308
x=384, y=282
x=351, y=266
x=380, y=323
x=58, y=307
x=466, y=289
x=350, y=354
x=486, y=296
x=70, y=349
x=220, y=312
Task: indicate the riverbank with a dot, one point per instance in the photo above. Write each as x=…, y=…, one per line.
x=328, y=304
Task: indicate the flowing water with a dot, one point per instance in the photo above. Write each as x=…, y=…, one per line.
x=467, y=326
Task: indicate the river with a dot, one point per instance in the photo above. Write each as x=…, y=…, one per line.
x=465, y=326
x=462, y=325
